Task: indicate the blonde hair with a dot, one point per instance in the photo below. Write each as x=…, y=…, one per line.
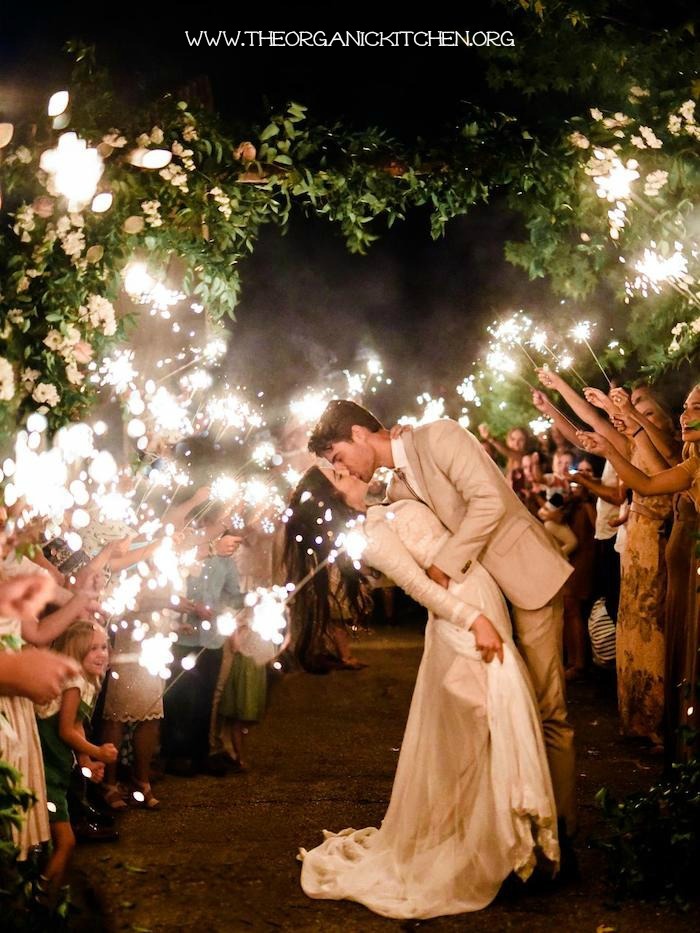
x=75, y=642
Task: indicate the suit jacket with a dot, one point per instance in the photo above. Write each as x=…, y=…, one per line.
x=471, y=497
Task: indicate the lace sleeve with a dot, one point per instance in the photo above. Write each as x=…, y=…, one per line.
x=386, y=552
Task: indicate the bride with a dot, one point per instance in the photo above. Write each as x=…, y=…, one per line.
x=472, y=799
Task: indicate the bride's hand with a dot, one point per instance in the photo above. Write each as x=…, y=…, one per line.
x=488, y=642
x=398, y=429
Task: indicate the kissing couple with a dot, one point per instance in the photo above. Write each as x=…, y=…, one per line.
x=484, y=785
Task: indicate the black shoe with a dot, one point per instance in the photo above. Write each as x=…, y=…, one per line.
x=90, y=814
x=217, y=765
x=93, y=832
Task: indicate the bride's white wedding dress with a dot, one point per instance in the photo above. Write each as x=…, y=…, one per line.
x=472, y=797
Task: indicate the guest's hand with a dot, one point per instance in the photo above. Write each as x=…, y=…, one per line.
x=622, y=402
x=39, y=674
x=398, y=429
x=107, y=753
x=96, y=769
x=26, y=595
x=438, y=576
x=593, y=443
x=484, y=431
x=596, y=398
x=541, y=402
x=488, y=642
x=548, y=378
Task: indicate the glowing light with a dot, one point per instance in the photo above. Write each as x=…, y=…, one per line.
x=269, y=619
x=655, y=270
x=118, y=370
x=309, y=408
x=102, y=202
x=156, y=158
x=156, y=655
x=225, y=488
x=226, y=624
x=263, y=453
x=74, y=169
x=540, y=425
x=58, y=102
x=137, y=280
x=581, y=332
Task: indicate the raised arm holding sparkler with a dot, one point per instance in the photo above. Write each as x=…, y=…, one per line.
x=583, y=408
x=665, y=447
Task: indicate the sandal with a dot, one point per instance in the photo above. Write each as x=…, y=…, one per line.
x=142, y=796
x=113, y=796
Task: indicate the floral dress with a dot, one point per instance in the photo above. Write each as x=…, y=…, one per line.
x=640, y=622
x=20, y=747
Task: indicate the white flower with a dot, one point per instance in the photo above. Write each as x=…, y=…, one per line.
x=674, y=346
x=636, y=92
x=24, y=155
x=46, y=393
x=53, y=340
x=157, y=135
x=650, y=138
x=73, y=374
x=189, y=133
x=678, y=329
x=674, y=124
x=114, y=140
x=16, y=315
x=687, y=111
x=23, y=284
x=654, y=182
x=638, y=142
x=579, y=140
x=143, y=141
x=596, y=114
x=7, y=380
x=695, y=325
x=100, y=313
x=73, y=243
x=29, y=377
x=150, y=209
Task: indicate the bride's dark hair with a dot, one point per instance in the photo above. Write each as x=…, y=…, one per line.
x=319, y=514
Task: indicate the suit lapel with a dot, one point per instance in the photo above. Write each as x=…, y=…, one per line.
x=409, y=444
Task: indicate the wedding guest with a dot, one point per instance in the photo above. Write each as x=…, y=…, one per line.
x=578, y=588
x=27, y=675
x=212, y=587
x=62, y=733
x=640, y=640
x=553, y=515
x=518, y=441
x=681, y=611
x=610, y=495
x=335, y=598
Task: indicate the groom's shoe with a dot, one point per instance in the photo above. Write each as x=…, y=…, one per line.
x=569, y=871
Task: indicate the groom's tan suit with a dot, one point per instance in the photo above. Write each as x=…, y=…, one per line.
x=465, y=489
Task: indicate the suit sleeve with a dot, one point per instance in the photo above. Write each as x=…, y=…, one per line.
x=458, y=456
x=386, y=552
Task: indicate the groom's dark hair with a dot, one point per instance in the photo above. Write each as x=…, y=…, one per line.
x=335, y=424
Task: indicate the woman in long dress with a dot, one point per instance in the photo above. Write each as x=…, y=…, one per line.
x=682, y=602
x=472, y=800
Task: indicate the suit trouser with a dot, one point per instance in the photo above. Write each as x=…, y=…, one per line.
x=539, y=633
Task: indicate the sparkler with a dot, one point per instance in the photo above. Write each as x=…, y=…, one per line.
x=310, y=408
x=581, y=333
x=74, y=170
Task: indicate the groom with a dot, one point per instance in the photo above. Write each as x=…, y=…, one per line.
x=445, y=467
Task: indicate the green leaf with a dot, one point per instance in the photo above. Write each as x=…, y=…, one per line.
x=272, y=129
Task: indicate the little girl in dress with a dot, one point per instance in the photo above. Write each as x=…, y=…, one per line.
x=62, y=735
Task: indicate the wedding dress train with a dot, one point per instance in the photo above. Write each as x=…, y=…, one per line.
x=472, y=798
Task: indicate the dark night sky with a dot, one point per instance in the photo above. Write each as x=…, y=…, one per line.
x=308, y=306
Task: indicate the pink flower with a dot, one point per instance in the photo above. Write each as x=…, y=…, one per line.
x=82, y=352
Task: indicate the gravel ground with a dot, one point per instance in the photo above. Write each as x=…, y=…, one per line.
x=220, y=854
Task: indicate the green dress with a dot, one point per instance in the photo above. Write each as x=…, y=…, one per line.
x=59, y=759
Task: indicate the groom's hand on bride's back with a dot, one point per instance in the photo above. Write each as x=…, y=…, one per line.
x=488, y=642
